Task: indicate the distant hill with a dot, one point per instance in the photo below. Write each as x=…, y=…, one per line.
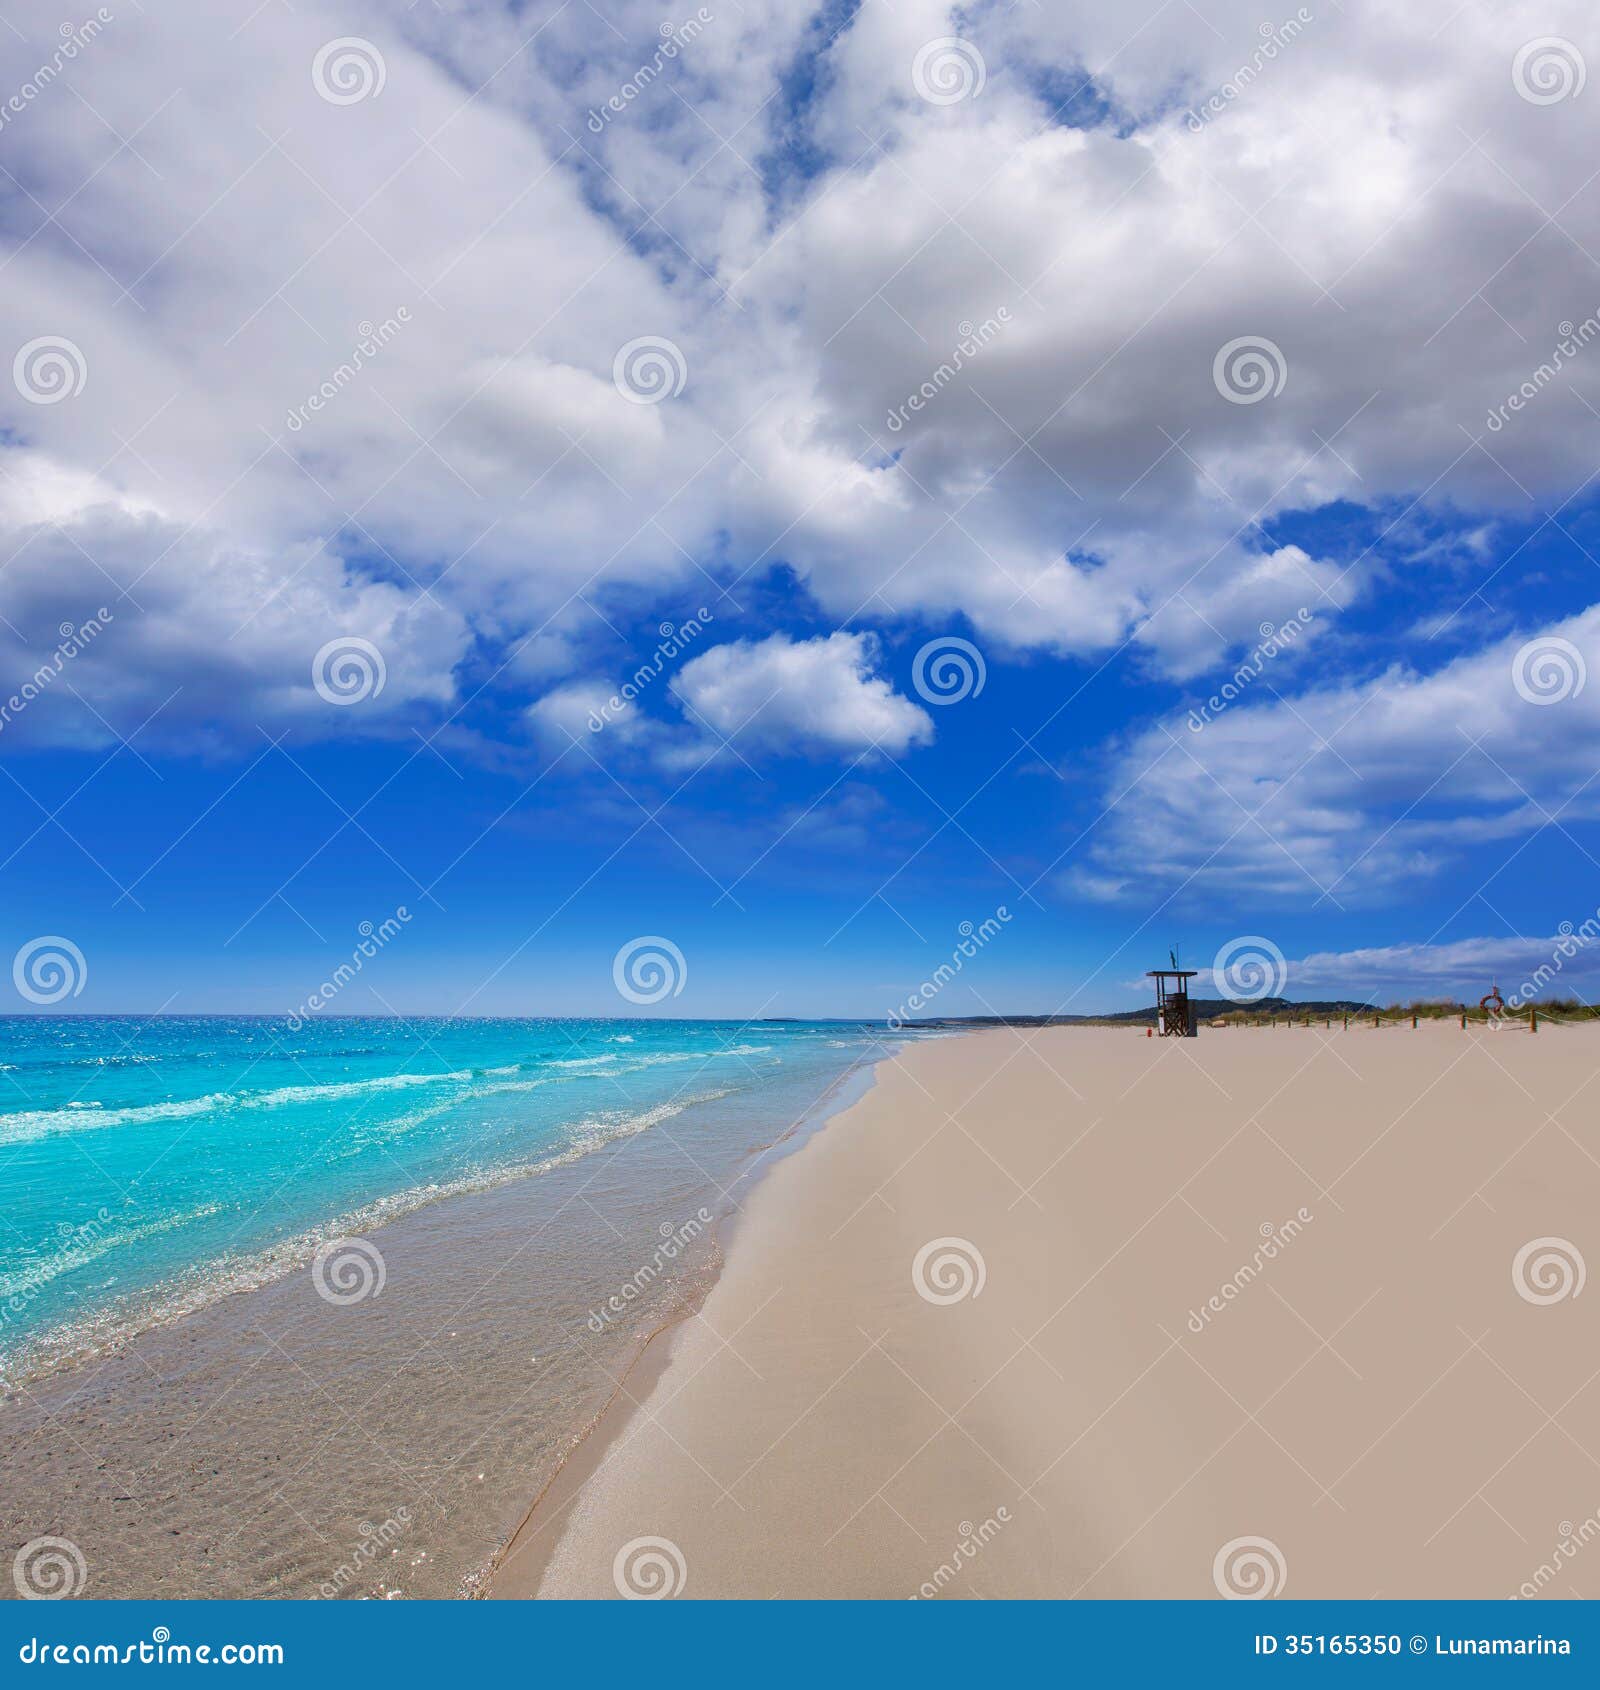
x=1206, y=1008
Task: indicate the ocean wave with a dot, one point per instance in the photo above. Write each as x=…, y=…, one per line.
x=361, y=1136
x=30, y=1124
x=88, y=1246
x=25, y=1126
x=334, y=1090
x=117, y=1059
x=657, y=1058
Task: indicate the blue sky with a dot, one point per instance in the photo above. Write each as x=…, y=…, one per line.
x=1216, y=423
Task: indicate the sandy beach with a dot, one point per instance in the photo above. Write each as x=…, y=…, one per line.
x=1079, y=1313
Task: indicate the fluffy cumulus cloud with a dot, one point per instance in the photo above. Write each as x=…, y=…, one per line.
x=460, y=338
x=567, y=714
x=777, y=696
x=801, y=693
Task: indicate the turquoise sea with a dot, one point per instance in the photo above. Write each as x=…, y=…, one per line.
x=149, y=1166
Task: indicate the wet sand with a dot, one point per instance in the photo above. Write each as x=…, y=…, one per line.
x=1078, y=1313
x=276, y=1443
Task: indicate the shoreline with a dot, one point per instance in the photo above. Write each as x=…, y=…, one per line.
x=519, y=1568
x=494, y=1288
x=121, y=1326
x=526, y=1544
x=952, y=1350
x=191, y=1290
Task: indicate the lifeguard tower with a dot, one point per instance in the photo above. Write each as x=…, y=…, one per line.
x=1175, y=1017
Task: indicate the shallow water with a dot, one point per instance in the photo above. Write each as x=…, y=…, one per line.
x=207, y=1406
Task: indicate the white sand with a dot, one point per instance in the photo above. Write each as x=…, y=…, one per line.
x=1378, y=1401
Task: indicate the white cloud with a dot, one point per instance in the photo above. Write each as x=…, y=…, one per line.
x=204, y=643
x=1371, y=203
x=773, y=696
x=1244, y=607
x=1353, y=792
x=572, y=717
x=800, y=695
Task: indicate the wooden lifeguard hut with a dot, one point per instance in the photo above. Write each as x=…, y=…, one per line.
x=1175, y=1017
